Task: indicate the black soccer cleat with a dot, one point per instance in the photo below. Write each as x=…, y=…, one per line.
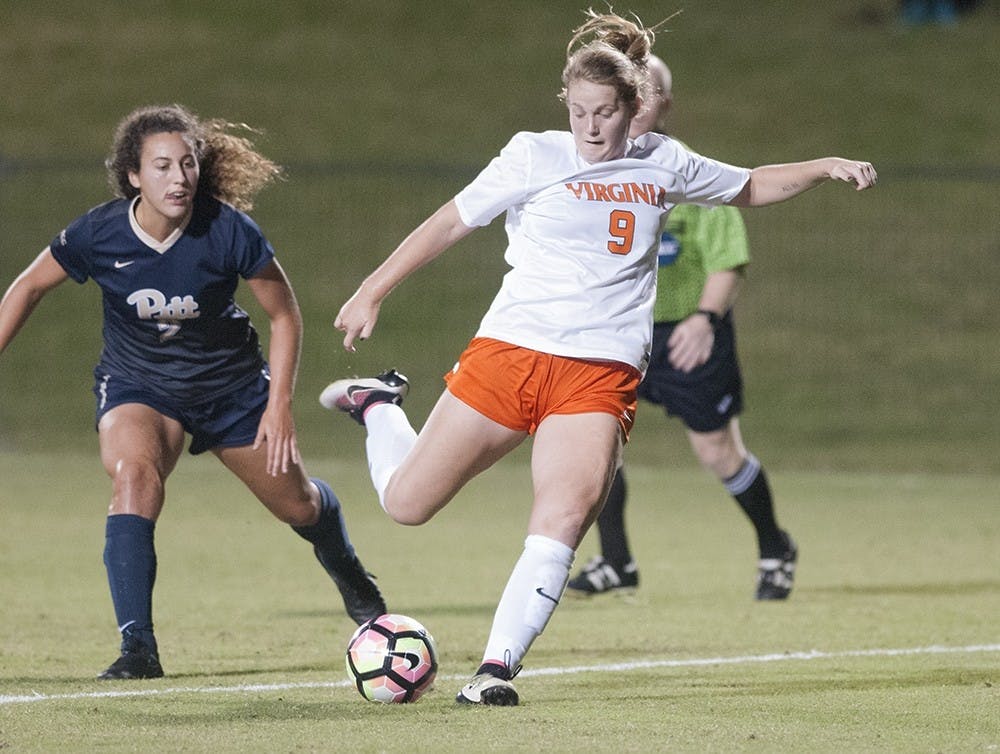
x=598, y=576
x=362, y=598
x=775, y=575
x=139, y=662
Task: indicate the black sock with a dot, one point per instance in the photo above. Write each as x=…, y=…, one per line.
x=329, y=534
x=130, y=560
x=494, y=669
x=611, y=524
x=750, y=489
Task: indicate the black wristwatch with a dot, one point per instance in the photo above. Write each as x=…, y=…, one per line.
x=713, y=319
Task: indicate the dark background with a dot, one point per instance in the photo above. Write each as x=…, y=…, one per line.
x=867, y=326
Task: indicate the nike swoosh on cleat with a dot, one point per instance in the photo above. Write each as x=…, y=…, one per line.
x=119, y=264
x=541, y=592
x=123, y=627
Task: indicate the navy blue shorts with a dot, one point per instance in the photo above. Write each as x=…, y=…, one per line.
x=228, y=421
x=707, y=397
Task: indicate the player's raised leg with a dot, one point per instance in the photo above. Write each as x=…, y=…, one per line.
x=416, y=476
x=456, y=444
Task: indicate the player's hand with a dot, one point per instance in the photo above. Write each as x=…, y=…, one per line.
x=691, y=343
x=861, y=174
x=277, y=430
x=357, y=318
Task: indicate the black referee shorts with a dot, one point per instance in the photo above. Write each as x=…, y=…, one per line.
x=707, y=397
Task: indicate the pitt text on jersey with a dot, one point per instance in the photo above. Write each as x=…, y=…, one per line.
x=152, y=304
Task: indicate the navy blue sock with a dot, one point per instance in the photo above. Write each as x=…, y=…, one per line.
x=329, y=534
x=130, y=559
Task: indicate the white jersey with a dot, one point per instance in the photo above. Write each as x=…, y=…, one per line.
x=583, y=239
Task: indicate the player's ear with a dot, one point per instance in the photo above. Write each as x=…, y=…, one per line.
x=133, y=178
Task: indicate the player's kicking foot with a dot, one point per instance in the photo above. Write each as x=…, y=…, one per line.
x=600, y=577
x=775, y=575
x=356, y=395
x=491, y=686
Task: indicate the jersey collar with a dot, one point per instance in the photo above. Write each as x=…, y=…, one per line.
x=159, y=247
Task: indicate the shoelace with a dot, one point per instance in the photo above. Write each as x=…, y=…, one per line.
x=511, y=674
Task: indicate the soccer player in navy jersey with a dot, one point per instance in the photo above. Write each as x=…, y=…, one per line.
x=181, y=357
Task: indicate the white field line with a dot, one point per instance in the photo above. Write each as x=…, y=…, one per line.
x=617, y=667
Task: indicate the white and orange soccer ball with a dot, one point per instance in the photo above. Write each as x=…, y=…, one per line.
x=392, y=659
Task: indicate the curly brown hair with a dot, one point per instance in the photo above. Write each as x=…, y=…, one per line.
x=608, y=49
x=232, y=170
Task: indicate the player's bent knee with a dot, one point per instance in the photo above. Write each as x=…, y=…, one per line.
x=137, y=488
x=136, y=475
x=719, y=458
x=406, y=513
x=406, y=507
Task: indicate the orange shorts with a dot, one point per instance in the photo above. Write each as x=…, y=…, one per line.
x=518, y=387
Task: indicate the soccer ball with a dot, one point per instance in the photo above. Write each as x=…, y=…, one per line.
x=392, y=659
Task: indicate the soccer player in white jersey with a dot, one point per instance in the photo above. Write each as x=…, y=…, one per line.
x=181, y=357
x=694, y=374
x=562, y=349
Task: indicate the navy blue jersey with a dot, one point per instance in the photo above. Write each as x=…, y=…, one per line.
x=171, y=323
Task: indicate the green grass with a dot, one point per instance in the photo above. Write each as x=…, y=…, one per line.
x=252, y=637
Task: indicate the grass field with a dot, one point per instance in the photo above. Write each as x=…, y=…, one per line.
x=868, y=338
x=889, y=642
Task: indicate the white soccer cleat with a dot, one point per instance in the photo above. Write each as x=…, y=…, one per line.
x=485, y=688
x=354, y=396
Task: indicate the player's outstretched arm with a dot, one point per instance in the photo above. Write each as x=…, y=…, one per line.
x=437, y=233
x=770, y=184
x=41, y=276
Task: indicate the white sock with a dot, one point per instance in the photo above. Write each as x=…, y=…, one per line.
x=534, y=589
x=390, y=438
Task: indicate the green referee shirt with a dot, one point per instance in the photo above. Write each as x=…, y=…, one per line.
x=696, y=241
